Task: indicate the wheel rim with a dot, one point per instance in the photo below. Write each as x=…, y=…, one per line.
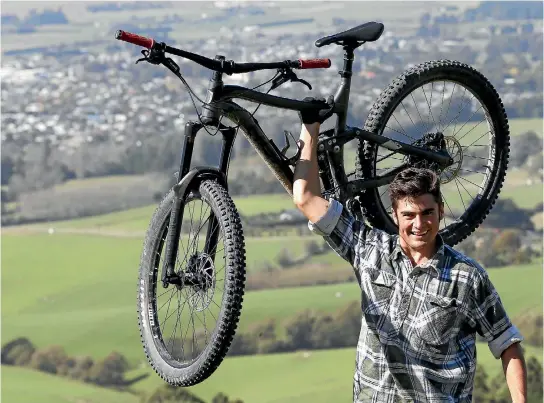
x=465, y=127
x=183, y=318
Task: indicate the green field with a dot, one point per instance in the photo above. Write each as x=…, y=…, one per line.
x=79, y=291
x=315, y=376
x=20, y=385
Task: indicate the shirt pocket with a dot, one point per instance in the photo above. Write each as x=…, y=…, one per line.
x=437, y=321
x=377, y=298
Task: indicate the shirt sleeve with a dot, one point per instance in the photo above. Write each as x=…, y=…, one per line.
x=345, y=234
x=490, y=318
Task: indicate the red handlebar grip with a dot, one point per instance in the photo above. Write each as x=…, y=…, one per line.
x=315, y=63
x=135, y=39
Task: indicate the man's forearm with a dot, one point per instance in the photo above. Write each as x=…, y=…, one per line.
x=515, y=372
x=306, y=186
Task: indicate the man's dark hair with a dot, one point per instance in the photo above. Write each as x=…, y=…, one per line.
x=414, y=182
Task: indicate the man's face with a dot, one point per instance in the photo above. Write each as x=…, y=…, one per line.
x=418, y=220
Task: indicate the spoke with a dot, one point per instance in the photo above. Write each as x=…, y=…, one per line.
x=475, y=156
x=168, y=309
x=458, y=113
x=468, y=170
x=470, y=117
x=402, y=128
x=175, y=326
x=482, y=145
x=441, y=104
x=417, y=109
x=167, y=302
x=409, y=117
x=187, y=331
x=460, y=177
x=449, y=104
x=448, y=206
x=200, y=220
x=459, y=140
x=430, y=111
x=396, y=131
x=171, y=289
x=459, y=190
x=463, y=186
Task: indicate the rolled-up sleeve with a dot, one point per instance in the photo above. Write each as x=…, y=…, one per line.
x=490, y=317
x=326, y=224
x=343, y=232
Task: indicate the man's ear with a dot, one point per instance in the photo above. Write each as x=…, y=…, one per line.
x=395, y=217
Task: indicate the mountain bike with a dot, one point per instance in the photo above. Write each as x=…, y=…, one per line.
x=195, y=245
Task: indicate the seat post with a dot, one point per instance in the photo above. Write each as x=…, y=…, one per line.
x=342, y=95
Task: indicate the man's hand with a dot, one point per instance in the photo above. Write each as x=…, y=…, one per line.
x=317, y=115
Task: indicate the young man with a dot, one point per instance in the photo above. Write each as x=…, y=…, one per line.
x=422, y=301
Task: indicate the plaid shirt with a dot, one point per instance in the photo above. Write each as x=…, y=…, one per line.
x=419, y=324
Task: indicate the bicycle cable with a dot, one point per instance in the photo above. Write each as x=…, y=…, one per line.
x=192, y=93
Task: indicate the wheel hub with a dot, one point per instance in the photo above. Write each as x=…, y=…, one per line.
x=199, y=275
x=438, y=143
x=455, y=150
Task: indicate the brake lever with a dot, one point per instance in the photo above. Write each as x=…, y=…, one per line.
x=151, y=58
x=288, y=75
x=306, y=83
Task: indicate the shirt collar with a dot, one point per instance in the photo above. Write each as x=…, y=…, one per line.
x=434, y=262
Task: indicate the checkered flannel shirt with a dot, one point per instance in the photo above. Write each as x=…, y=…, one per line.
x=419, y=324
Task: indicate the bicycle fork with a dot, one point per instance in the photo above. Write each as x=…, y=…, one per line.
x=189, y=179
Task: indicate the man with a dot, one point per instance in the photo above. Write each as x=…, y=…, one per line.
x=422, y=301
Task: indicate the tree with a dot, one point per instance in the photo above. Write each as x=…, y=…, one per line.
x=481, y=388
x=109, y=371
x=534, y=380
x=17, y=352
x=523, y=146
x=300, y=330
x=50, y=359
x=172, y=394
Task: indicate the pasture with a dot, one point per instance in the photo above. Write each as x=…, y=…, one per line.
x=79, y=291
x=21, y=385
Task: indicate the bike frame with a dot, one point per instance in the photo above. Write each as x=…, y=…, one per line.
x=330, y=150
x=219, y=103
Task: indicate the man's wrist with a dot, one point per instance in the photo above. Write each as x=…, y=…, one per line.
x=311, y=128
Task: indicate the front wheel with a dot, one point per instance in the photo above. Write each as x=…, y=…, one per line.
x=456, y=102
x=187, y=328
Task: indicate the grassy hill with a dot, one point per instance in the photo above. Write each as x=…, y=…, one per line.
x=21, y=385
x=315, y=376
x=79, y=291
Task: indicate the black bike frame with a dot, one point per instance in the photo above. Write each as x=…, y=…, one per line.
x=330, y=149
x=219, y=103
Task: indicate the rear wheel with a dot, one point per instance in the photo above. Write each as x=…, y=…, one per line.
x=187, y=328
x=456, y=102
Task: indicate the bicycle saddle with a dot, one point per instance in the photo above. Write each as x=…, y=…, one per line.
x=367, y=32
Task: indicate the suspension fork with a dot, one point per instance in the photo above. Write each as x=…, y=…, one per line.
x=176, y=214
x=186, y=181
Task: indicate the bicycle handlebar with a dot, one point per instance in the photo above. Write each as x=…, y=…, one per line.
x=225, y=66
x=135, y=39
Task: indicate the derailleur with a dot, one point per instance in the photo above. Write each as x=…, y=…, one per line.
x=285, y=75
x=432, y=142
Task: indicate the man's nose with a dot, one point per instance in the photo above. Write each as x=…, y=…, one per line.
x=418, y=221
